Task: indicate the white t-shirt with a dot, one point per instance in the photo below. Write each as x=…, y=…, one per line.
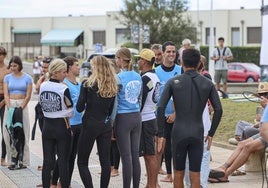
x=221, y=64
x=206, y=120
x=37, y=67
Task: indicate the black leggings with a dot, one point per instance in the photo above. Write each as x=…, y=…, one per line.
x=90, y=132
x=73, y=149
x=167, y=152
x=56, y=138
x=127, y=132
x=2, y=112
x=115, y=155
x=191, y=146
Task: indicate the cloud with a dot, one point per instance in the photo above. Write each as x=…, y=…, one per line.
x=37, y=8
x=40, y=8
x=225, y=4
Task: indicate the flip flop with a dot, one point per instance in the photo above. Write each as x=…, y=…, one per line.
x=217, y=180
x=216, y=173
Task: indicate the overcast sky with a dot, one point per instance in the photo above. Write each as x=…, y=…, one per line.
x=40, y=8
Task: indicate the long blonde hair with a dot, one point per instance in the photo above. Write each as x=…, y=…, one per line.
x=103, y=76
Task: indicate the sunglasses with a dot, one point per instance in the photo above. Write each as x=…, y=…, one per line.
x=263, y=95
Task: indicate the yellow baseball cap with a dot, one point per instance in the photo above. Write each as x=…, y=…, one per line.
x=146, y=54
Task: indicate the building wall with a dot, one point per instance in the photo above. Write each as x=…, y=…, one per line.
x=224, y=21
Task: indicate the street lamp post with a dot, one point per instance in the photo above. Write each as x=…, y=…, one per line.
x=211, y=41
x=197, y=28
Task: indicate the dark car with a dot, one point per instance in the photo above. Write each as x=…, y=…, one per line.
x=243, y=72
x=85, y=67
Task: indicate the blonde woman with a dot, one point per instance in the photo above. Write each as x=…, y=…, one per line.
x=17, y=93
x=57, y=106
x=128, y=119
x=96, y=97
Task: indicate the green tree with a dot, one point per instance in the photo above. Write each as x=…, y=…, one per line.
x=165, y=18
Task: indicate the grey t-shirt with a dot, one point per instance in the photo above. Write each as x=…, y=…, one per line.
x=221, y=64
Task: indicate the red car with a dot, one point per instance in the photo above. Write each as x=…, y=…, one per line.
x=243, y=72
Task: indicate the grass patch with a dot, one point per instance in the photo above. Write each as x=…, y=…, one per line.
x=232, y=113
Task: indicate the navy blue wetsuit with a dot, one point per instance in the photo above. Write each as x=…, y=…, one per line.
x=190, y=92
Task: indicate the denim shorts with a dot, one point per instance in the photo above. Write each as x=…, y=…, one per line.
x=258, y=136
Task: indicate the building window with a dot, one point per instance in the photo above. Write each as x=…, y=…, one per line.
x=27, y=39
x=235, y=36
x=208, y=35
x=253, y=35
x=122, y=35
x=99, y=37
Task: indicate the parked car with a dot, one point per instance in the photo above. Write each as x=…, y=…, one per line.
x=85, y=67
x=243, y=72
x=110, y=54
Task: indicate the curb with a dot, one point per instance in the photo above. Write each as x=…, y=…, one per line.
x=223, y=145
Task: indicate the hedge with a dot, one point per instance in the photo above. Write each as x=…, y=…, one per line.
x=241, y=54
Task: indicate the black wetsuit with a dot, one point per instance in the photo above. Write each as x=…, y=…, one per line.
x=96, y=126
x=190, y=92
x=56, y=103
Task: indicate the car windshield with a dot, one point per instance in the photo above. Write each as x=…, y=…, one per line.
x=252, y=67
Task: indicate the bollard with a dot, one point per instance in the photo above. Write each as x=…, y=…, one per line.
x=256, y=162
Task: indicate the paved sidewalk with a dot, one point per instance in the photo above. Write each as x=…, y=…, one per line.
x=30, y=177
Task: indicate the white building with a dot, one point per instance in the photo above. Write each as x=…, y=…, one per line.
x=29, y=37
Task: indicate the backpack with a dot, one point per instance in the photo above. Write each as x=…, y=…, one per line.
x=39, y=64
x=223, y=53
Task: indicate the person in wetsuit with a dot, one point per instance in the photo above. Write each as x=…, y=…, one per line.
x=150, y=92
x=167, y=70
x=76, y=119
x=190, y=92
x=97, y=96
x=57, y=107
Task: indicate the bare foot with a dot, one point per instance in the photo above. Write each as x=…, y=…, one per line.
x=162, y=172
x=168, y=178
x=59, y=185
x=114, y=173
x=3, y=162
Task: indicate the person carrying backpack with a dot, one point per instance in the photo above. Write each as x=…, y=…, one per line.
x=221, y=55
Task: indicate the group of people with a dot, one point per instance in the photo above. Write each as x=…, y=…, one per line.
x=145, y=113
x=163, y=112
x=249, y=141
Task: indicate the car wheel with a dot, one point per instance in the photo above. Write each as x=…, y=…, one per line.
x=250, y=80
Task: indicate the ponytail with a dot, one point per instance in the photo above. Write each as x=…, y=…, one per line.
x=130, y=66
